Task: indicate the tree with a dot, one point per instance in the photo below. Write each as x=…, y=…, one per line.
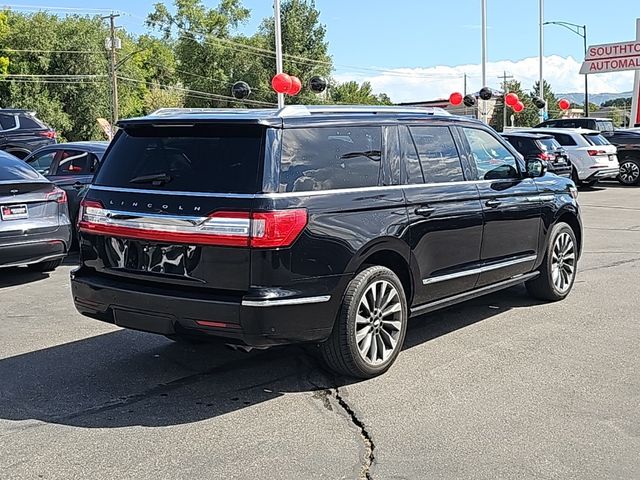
x=353, y=94
x=553, y=110
x=527, y=118
x=158, y=97
x=623, y=102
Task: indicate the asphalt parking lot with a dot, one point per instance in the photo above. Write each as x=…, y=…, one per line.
x=500, y=387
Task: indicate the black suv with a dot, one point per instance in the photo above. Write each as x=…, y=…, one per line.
x=315, y=224
x=543, y=147
x=626, y=141
x=21, y=132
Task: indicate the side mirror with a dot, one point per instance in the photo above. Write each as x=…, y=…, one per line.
x=536, y=168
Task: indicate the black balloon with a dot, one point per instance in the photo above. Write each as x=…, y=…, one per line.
x=539, y=103
x=469, y=100
x=317, y=84
x=240, y=90
x=485, y=93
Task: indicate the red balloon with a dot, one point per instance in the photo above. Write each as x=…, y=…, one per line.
x=455, y=98
x=296, y=86
x=564, y=104
x=518, y=107
x=281, y=83
x=511, y=99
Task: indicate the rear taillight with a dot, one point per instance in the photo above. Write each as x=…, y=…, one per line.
x=272, y=229
x=593, y=153
x=545, y=156
x=58, y=195
x=48, y=134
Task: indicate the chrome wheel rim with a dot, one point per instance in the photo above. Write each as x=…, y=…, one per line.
x=563, y=262
x=629, y=172
x=378, y=323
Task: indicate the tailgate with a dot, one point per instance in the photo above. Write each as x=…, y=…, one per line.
x=27, y=208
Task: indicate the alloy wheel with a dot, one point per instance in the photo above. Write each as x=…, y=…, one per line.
x=378, y=322
x=629, y=172
x=563, y=262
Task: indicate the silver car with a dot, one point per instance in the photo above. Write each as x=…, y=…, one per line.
x=35, y=229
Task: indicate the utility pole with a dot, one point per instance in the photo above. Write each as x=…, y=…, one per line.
x=541, y=83
x=465, y=92
x=504, y=78
x=112, y=46
x=482, y=104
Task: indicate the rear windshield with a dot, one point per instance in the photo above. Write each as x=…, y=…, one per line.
x=197, y=158
x=15, y=170
x=549, y=144
x=596, y=139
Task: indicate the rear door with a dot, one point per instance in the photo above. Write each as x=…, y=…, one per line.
x=511, y=206
x=171, y=205
x=445, y=214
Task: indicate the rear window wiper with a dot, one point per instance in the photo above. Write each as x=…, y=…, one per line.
x=155, y=179
x=375, y=155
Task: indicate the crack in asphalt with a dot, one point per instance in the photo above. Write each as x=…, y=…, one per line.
x=610, y=265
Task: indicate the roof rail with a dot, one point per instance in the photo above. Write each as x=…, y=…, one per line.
x=304, y=110
x=172, y=111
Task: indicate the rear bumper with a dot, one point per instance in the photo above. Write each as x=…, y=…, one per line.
x=603, y=173
x=35, y=248
x=253, y=321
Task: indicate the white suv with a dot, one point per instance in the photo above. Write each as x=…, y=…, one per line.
x=592, y=156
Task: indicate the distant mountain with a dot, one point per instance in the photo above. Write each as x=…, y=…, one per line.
x=597, y=98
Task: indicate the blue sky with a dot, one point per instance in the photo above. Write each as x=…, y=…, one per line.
x=424, y=35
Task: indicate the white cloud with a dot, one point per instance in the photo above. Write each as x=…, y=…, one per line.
x=415, y=84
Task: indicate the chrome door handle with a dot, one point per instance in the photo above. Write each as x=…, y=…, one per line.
x=493, y=203
x=425, y=211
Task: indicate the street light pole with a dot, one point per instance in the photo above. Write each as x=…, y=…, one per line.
x=483, y=105
x=581, y=31
x=278, y=31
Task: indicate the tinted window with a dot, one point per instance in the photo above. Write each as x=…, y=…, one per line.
x=13, y=169
x=42, y=161
x=438, y=154
x=549, y=144
x=7, y=122
x=27, y=121
x=75, y=162
x=328, y=158
x=492, y=159
x=564, y=139
x=410, y=160
x=201, y=158
x=596, y=139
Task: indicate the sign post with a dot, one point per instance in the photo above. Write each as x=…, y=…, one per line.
x=617, y=57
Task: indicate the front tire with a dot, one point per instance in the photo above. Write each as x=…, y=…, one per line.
x=629, y=171
x=370, y=329
x=558, y=269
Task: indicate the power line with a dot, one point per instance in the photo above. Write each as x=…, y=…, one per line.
x=94, y=52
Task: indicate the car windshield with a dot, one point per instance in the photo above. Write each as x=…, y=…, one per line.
x=596, y=139
x=14, y=170
x=604, y=125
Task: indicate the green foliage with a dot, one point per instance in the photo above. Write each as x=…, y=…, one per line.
x=353, y=94
x=618, y=102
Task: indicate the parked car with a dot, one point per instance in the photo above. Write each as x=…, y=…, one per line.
x=543, y=147
x=592, y=156
x=70, y=166
x=21, y=132
x=627, y=141
x=34, y=220
x=330, y=225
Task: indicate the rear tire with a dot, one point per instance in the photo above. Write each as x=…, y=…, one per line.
x=629, y=171
x=558, y=269
x=371, y=326
x=45, y=266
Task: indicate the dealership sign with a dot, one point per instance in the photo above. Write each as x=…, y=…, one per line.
x=612, y=57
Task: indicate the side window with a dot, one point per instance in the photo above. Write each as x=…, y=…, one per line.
x=329, y=158
x=438, y=154
x=74, y=162
x=7, y=122
x=29, y=122
x=493, y=161
x=564, y=140
x=410, y=161
x=42, y=161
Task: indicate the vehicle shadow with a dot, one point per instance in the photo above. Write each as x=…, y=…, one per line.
x=14, y=276
x=127, y=378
